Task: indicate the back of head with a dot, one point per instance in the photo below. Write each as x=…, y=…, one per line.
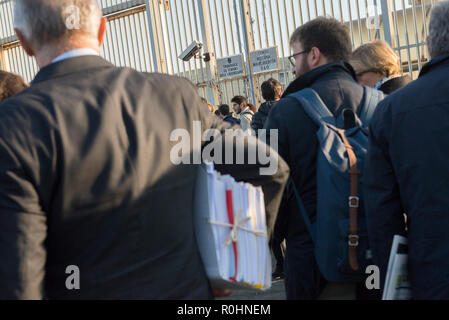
x=376, y=56
x=50, y=22
x=10, y=84
x=224, y=110
x=327, y=34
x=271, y=90
x=439, y=29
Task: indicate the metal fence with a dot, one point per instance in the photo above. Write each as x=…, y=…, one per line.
x=150, y=35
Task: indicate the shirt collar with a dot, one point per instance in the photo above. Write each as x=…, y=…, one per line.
x=76, y=53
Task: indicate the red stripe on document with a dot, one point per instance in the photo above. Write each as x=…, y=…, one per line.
x=231, y=221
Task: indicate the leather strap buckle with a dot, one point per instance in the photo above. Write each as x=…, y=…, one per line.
x=354, y=202
x=353, y=240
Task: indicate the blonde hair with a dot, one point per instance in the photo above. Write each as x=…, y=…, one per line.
x=377, y=56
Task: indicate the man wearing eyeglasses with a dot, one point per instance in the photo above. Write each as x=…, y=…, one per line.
x=320, y=51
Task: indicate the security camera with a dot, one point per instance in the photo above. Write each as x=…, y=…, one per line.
x=191, y=51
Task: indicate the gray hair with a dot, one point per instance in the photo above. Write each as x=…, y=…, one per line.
x=48, y=21
x=439, y=29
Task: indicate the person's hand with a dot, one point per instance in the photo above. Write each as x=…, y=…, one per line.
x=221, y=293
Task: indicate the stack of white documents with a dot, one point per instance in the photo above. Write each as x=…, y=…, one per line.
x=397, y=285
x=231, y=231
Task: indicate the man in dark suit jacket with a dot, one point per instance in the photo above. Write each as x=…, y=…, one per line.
x=86, y=177
x=407, y=170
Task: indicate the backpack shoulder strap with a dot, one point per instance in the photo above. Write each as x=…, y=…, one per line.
x=314, y=107
x=371, y=99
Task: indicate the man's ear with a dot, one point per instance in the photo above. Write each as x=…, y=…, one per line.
x=315, y=57
x=102, y=31
x=25, y=43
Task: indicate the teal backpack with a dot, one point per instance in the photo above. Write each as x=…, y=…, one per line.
x=339, y=232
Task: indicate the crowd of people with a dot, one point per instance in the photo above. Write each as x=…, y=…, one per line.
x=86, y=177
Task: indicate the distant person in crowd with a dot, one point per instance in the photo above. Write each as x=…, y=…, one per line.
x=225, y=114
x=86, y=173
x=377, y=66
x=407, y=170
x=321, y=49
x=243, y=112
x=271, y=92
x=10, y=85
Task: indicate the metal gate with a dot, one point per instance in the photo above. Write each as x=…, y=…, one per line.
x=149, y=35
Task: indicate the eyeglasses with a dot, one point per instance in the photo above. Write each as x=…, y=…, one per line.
x=292, y=57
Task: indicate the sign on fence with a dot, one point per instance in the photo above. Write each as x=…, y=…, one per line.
x=265, y=60
x=230, y=67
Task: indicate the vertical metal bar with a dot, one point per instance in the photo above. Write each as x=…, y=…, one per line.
x=341, y=12
x=5, y=60
x=180, y=41
x=396, y=27
x=404, y=16
x=249, y=47
x=358, y=23
x=210, y=66
x=387, y=21
x=308, y=10
x=195, y=63
x=415, y=27
x=281, y=50
x=264, y=16
x=367, y=17
x=154, y=28
x=230, y=26
x=272, y=23
x=224, y=27
x=351, y=27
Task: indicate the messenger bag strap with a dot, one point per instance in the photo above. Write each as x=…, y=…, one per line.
x=354, y=202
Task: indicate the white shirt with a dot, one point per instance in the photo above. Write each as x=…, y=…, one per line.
x=76, y=53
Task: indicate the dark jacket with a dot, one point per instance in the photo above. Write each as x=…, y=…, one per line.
x=298, y=144
x=261, y=115
x=230, y=119
x=87, y=179
x=407, y=171
x=394, y=84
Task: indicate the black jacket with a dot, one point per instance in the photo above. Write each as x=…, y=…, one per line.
x=298, y=144
x=261, y=116
x=87, y=178
x=394, y=84
x=407, y=171
x=230, y=119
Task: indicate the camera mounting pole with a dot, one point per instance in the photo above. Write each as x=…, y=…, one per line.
x=212, y=91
